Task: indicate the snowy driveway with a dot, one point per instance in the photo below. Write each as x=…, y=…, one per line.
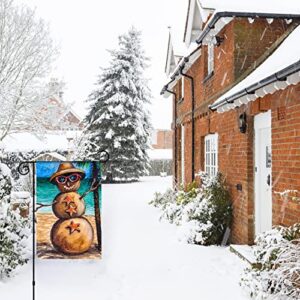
x=142, y=259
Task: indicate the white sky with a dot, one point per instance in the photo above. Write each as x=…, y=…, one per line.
x=85, y=29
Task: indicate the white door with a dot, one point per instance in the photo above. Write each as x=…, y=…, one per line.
x=263, y=172
x=182, y=154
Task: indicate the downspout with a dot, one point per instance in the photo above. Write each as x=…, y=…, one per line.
x=175, y=131
x=193, y=113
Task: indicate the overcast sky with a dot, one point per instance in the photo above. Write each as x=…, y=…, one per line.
x=85, y=29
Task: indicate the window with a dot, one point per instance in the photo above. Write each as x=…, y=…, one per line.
x=210, y=58
x=211, y=154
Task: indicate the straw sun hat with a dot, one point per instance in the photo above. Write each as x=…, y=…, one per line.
x=66, y=168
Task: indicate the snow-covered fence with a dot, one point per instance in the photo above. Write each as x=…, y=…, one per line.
x=159, y=166
x=12, y=159
x=21, y=201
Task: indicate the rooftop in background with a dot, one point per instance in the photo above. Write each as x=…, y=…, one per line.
x=161, y=139
x=26, y=141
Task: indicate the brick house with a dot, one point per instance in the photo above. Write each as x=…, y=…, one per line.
x=236, y=108
x=63, y=127
x=161, y=139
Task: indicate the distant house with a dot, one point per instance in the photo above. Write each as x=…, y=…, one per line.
x=161, y=139
x=160, y=153
x=61, y=133
x=236, y=107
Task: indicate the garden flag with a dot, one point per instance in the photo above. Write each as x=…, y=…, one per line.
x=68, y=203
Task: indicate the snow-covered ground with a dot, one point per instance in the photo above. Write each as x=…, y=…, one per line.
x=142, y=259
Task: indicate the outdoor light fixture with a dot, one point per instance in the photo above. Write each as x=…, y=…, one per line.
x=218, y=40
x=243, y=122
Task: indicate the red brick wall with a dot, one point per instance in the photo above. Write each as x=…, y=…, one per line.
x=236, y=158
x=236, y=149
x=253, y=40
x=286, y=155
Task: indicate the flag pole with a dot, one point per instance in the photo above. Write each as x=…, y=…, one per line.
x=97, y=205
x=33, y=234
x=24, y=169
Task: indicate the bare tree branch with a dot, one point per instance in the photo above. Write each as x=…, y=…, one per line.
x=26, y=55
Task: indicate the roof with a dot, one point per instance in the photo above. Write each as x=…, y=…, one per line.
x=253, y=6
x=25, y=141
x=176, y=47
x=176, y=50
x=286, y=55
x=200, y=9
x=222, y=15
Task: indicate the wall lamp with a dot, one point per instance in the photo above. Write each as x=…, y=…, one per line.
x=243, y=122
x=218, y=40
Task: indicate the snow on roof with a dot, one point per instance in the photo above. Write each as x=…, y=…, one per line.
x=253, y=6
x=160, y=154
x=285, y=55
x=178, y=45
x=25, y=141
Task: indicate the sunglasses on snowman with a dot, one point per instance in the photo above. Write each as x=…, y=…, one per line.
x=65, y=178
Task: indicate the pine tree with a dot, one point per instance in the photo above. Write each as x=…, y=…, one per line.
x=118, y=120
x=14, y=230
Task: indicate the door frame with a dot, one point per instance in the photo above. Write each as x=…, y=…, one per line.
x=261, y=121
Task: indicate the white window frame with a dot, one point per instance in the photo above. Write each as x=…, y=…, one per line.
x=182, y=87
x=210, y=57
x=211, y=154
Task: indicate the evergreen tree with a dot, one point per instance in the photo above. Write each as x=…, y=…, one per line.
x=118, y=120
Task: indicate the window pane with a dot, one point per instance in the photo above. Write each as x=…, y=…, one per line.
x=210, y=154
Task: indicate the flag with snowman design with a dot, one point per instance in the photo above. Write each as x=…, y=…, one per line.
x=68, y=205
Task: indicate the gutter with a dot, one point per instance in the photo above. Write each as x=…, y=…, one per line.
x=193, y=119
x=180, y=66
x=175, y=132
x=278, y=76
x=223, y=14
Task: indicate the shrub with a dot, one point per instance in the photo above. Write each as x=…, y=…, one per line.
x=202, y=214
x=277, y=274
x=14, y=230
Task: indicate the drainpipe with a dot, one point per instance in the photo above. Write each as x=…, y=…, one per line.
x=175, y=129
x=193, y=113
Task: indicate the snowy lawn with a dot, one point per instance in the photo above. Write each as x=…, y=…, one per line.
x=142, y=259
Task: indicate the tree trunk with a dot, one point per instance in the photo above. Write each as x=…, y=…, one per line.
x=97, y=206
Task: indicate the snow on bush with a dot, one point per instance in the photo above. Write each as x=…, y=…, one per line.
x=14, y=230
x=201, y=213
x=277, y=272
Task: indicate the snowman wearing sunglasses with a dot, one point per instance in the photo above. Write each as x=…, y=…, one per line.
x=72, y=234
x=69, y=182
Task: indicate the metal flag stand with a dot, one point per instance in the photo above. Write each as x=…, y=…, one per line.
x=24, y=169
